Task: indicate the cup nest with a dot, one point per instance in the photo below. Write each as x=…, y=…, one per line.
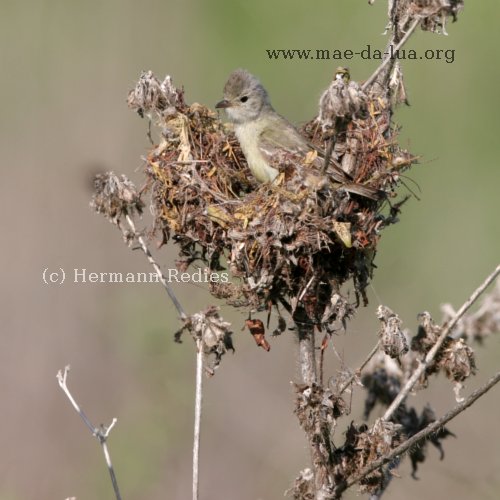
x=291, y=243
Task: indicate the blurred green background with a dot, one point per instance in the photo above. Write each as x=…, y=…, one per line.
x=66, y=71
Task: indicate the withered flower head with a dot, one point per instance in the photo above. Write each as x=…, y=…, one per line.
x=392, y=338
x=341, y=101
x=213, y=332
x=115, y=197
x=152, y=98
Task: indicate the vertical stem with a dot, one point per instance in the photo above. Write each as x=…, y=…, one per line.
x=197, y=417
x=317, y=431
x=307, y=352
x=111, y=470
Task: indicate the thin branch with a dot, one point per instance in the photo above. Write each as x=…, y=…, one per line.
x=358, y=371
x=423, y=434
x=197, y=417
x=432, y=353
x=384, y=63
x=156, y=267
x=306, y=288
x=101, y=434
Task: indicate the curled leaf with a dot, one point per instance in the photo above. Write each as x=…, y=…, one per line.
x=257, y=329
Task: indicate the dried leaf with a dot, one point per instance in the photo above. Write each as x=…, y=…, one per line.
x=257, y=329
x=343, y=231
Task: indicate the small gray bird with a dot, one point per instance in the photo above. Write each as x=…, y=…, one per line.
x=263, y=134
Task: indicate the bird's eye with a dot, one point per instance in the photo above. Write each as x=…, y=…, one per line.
x=244, y=98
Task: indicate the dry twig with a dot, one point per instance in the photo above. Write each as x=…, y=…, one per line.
x=432, y=353
x=420, y=436
x=100, y=433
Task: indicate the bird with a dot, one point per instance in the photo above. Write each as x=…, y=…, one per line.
x=264, y=135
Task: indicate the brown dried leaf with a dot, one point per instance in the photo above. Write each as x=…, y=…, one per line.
x=257, y=329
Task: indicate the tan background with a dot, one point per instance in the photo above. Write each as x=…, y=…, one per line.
x=66, y=71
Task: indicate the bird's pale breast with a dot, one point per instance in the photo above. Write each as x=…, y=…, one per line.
x=248, y=135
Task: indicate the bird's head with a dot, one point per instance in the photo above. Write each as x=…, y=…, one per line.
x=244, y=97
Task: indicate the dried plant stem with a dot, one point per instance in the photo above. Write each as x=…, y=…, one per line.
x=315, y=430
x=156, y=267
x=435, y=348
x=307, y=353
x=386, y=61
x=423, y=434
x=197, y=417
x=307, y=360
x=199, y=360
x=100, y=433
x=349, y=381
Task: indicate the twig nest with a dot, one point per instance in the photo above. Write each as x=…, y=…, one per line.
x=293, y=242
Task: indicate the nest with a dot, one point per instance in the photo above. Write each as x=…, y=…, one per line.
x=289, y=244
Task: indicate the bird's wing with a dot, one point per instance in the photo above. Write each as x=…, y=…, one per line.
x=281, y=137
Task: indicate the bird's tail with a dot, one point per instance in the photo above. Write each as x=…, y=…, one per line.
x=365, y=191
x=338, y=174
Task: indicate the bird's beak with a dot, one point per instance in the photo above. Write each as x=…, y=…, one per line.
x=223, y=104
